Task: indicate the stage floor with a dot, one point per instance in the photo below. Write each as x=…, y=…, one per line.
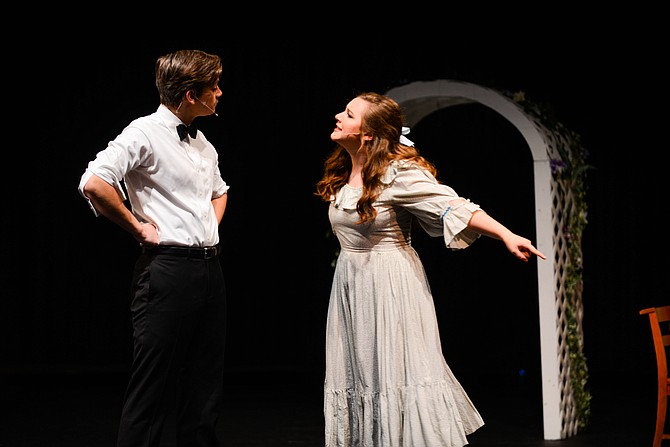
x=268, y=409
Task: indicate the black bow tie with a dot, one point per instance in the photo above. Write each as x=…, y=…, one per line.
x=183, y=130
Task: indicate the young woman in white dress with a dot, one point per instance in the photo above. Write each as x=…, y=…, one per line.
x=387, y=383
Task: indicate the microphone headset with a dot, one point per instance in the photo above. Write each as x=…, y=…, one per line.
x=208, y=107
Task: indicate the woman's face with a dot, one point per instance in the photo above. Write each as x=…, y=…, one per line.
x=348, y=122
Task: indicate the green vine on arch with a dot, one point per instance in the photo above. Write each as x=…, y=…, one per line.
x=571, y=170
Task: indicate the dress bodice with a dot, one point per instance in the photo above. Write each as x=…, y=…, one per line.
x=408, y=192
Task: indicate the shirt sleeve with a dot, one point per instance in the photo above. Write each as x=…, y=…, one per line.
x=220, y=186
x=438, y=208
x=112, y=163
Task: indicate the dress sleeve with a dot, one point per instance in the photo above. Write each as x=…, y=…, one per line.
x=437, y=207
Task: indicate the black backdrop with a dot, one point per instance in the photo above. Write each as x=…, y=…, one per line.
x=65, y=304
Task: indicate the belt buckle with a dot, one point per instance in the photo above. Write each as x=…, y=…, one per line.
x=210, y=252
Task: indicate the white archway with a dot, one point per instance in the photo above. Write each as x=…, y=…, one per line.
x=418, y=100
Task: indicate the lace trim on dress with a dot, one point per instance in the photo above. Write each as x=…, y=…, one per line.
x=455, y=221
x=347, y=198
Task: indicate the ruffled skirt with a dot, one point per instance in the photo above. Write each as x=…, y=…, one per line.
x=387, y=383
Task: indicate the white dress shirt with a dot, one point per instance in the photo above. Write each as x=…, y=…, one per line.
x=169, y=182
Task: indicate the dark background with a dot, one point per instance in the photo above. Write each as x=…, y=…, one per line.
x=65, y=304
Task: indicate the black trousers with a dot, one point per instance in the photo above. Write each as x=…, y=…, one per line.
x=178, y=313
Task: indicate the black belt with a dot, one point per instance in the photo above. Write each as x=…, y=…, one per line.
x=186, y=252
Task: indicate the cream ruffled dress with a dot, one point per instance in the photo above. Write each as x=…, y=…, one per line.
x=387, y=383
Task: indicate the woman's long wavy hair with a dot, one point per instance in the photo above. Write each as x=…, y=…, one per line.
x=383, y=121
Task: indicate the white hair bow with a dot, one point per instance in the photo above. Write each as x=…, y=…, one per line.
x=403, y=139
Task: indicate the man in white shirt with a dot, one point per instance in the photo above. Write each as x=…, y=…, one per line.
x=177, y=199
